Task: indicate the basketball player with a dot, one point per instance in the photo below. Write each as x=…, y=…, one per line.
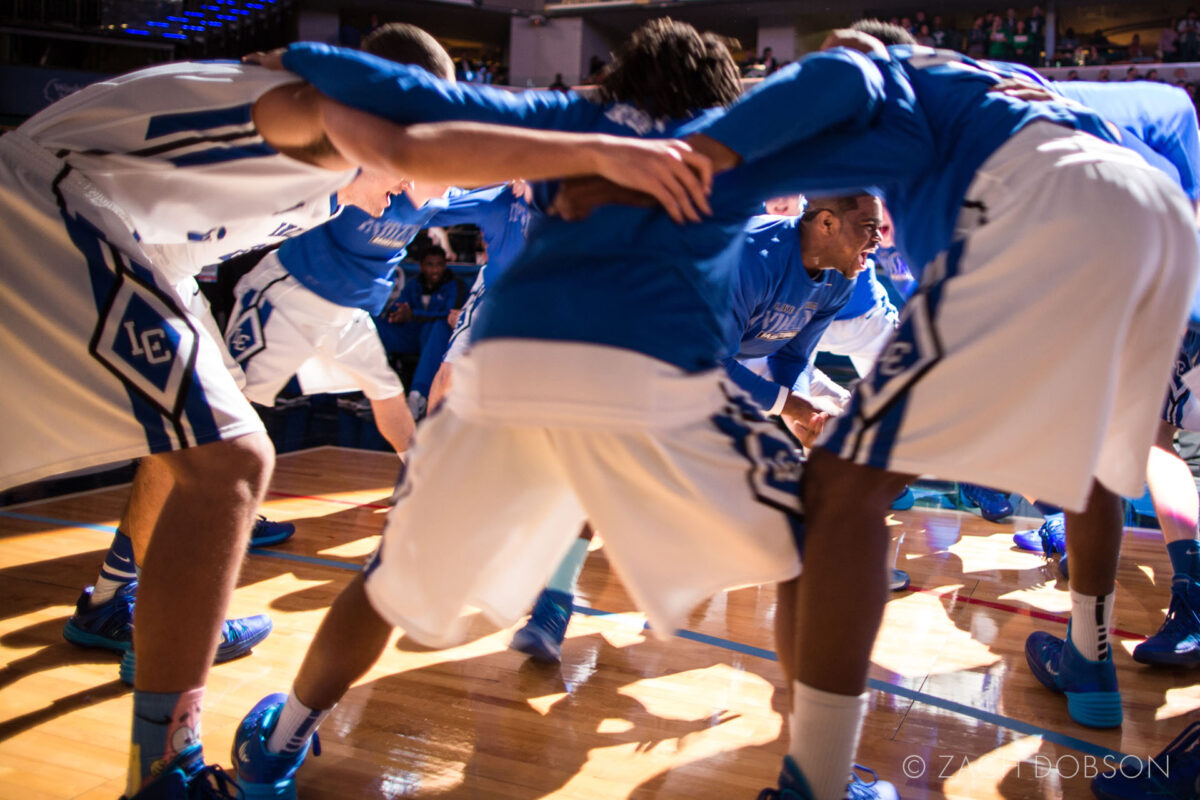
x=568, y=415
x=114, y=196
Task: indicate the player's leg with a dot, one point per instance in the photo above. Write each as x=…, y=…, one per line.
x=542, y=636
x=434, y=338
x=836, y=620
x=187, y=579
x=394, y=421
x=1173, y=490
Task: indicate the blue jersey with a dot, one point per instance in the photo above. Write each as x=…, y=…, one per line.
x=502, y=217
x=1159, y=116
x=922, y=145
x=440, y=301
x=626, y=277
x=868, y=294
x=351, y=260
x=779, y=311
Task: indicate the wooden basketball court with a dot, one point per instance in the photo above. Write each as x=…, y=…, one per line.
x=954, y=710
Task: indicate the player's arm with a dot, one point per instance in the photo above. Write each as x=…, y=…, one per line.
x=473, y=154
x=825, y=91
x=406, y=93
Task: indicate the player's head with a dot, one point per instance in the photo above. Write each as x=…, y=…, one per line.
x=404, y=44
x=840, y=232
x=408, y=44
x=786, y=206
x=669, y=69
x=885, y=32
x=433, y=264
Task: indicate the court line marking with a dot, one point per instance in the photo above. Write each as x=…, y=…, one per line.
x=934, y=701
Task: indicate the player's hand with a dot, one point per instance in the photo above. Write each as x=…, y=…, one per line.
x=855, y=40
x=679, y=178
x=1027, y=90
x=401, y=314
x=577, y=198
x=803, y=419
x=272, y=59
x=452, y=317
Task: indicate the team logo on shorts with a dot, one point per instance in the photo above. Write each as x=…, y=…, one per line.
x=913, y=349
x=146, y=342
x=245, y=336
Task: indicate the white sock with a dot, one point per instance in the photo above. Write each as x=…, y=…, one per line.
x=566, y=576
x=1091, y=619
x=824, y=730
x=296, y=723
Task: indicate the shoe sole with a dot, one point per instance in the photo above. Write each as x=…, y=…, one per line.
x=897, y=584
x=1167, y=659
x=78, y=636
x=1095, y=709
x=268, y=541
x=284, y=790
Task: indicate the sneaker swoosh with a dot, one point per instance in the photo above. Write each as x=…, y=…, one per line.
x=242, y=754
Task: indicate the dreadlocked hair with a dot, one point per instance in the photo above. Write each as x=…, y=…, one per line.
x=669, y=69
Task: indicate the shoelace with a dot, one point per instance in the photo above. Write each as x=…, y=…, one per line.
x=1045, y=532
x=212, y=783
x=1179, y=614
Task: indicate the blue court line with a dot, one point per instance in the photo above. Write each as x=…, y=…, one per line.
x=64, y=522
x=320, y=562
x=979, y=714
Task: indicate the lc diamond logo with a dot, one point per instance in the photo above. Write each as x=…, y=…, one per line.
x=245, y=336
x=147, y=343
x=913, y=349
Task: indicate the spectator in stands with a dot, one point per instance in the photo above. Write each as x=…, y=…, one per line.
x=1020, y=44
x=919, y=20
x=416, y=323
x=1010, y=21
x=1136, y=52
x=768, y=61
x=906, y=23
x=1036, y=24
x=941, y=36
x=1069, y=40
x=559, y=85
x=1189, y=36
x=596, y=65
x=923, y=36
x=1168, y=41
x=1132, y=74
x=977, y=38
x=1103, y=77
x=1073, y=75
x=1152, y=75
x=998, y=45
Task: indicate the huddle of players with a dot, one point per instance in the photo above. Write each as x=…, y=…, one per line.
x=613, y=408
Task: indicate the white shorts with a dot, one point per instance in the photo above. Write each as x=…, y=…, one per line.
x=102, y=358
x=692, y=489
x=460, y=339
x=280, y=328
x=862, y=338
x=1182, y=406
x=1034, y=355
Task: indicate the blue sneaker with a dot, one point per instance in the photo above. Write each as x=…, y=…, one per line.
x=1093, y=698
x=905, y=500
x=187, y=777
x=1050, y=538
x=542, y=637
x=238, y=638
x=993, y=505
x=900, y=580
x=267, y=533
x=1173, y=774
x=1177, y=643
x=261, y=773
x=793, y=786
x=108, y=625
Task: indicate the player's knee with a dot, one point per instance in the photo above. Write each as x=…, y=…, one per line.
x=242, y=465
x=838, y=486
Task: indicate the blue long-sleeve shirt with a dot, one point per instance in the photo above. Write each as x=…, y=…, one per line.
x=501, y=215
x=778, y=310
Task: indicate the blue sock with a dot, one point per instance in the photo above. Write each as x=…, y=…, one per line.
x=117, y=571
x=164, y=725
x=1185, y=558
